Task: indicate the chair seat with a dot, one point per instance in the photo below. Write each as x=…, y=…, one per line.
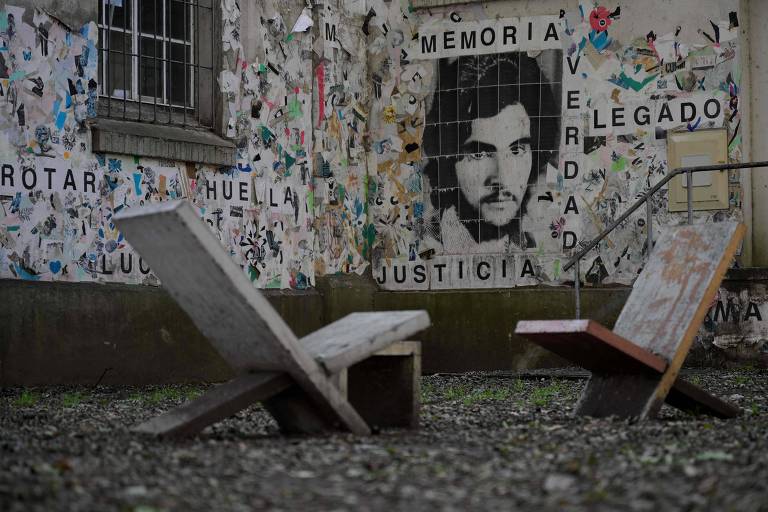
x=591, y=346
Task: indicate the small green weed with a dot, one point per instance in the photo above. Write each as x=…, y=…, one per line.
x=72, y=399
x=162, y=394
x=27, y=399
x=147, y=508
x=456, y=392
x=192, y=392
x=427, y=391
x=486, y=394
x=543, y=396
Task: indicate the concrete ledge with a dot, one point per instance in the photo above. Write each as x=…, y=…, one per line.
x=83, y=333
x=747, y=274
x=55, y=333
x=474, y=329
x=158, y=141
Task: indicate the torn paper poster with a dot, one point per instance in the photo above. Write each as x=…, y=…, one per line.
x=304, y=22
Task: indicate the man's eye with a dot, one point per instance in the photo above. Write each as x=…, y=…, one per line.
x=519, y=149
x=479, y=156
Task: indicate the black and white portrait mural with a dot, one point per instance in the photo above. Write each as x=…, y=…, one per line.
x=501, y=143
x=491, y=134
x=490, y=141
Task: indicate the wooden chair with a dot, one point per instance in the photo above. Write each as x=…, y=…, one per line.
x=302, y=383
x=635, y=367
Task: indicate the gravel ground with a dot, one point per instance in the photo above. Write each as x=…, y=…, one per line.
x=488, y=441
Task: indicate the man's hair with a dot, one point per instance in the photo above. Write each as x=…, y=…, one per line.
x=483, y=86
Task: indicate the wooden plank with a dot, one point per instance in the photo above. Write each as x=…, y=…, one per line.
x=691, y=398
x=654, y=330
x=296, y=413
x=385, y=390
x=218, y=403
x=671, y=296
x=353, y=338
x=590, y=345
x=240, y=323
x=401, y=348
x=614, y=394
x=610, y=394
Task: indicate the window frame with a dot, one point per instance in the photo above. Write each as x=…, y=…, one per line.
x=174, y=134
x=136, y=56
x=203, y=101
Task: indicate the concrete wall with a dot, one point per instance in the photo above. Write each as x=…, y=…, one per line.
x=334, y=167
x=520, y=217
x=115, y=334
x=330, y=176
x=120, y=334
x=758, y=105
x=86, y=333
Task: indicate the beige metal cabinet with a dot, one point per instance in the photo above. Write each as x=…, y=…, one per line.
x=703, y=147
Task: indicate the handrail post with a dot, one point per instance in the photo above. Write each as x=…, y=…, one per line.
x=649, y=223
x=689, y=183
x=577, y=288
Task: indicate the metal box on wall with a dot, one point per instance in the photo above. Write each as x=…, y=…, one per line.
x=702, y=147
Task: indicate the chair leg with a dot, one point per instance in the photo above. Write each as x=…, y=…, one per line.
x=624, y=395
x=634, y=395
x=295, y=413
x=691, y=398
x=219, y=403
x=385, y=387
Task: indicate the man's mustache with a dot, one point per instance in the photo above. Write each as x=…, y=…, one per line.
x=498, y=194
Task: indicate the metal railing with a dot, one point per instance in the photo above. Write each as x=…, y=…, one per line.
x=688, y=171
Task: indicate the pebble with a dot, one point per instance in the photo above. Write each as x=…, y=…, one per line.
x=488, y=441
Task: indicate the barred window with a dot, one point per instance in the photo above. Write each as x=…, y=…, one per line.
x=156, y=62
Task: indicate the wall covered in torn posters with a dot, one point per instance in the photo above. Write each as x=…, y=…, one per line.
x=501, y=142
x=56, y=197
x=289, y=209
x=295, y=205
x=450, y=148
x=736, y=324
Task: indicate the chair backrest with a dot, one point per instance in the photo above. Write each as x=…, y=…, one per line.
x=199, y=274
x=673, y=292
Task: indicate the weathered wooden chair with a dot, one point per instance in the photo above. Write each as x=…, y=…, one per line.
x=302, y=383
x=635, y=367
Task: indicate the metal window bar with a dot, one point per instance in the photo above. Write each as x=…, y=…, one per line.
x=154, y=61
x=167, y=53
x=646, y=198
x=122, y=47
x=184, y=55
x=137, y=75
x=197, y=59
x=135, y=105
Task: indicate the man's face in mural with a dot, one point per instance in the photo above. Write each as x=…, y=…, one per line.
x=494, y=179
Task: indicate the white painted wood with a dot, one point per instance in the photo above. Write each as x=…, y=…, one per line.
x=199, y=274
x=220, y=402
x=401, y=348
x=356, y=336
x=671, y=295
x=656, y=326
